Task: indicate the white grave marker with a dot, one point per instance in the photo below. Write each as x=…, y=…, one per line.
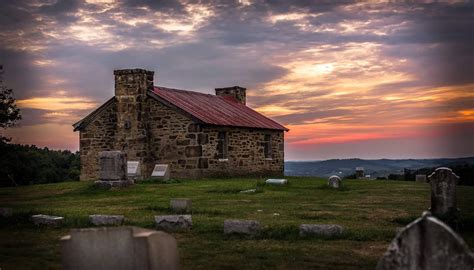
x=133, y=168
x=161, y=171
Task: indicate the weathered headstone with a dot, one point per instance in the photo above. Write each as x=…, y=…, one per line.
x=443, y=192
x=46, y=220
x=133, y=170
x=6, y=212
x=161, y=172
x=420, y=178
x=325, y=230
x=113, y=170
x=278, y=182
x=427, y=243
x=119, y=248
x=334, y=181
x=238, y=226
x=182, y=205
x=360, y=172
x=172, y=223
x=102, y=220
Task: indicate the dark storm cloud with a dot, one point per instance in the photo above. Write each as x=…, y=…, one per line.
x=238, y=44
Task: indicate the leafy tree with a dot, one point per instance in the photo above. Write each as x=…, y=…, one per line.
x=9, y=112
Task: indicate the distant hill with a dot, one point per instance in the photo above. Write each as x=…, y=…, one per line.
x=374, y=168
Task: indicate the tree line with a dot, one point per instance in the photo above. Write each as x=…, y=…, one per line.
x=28, y=164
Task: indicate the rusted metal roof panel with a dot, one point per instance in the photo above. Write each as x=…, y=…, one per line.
x=216, y=110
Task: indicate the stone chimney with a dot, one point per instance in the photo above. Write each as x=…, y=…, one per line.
x=131, y=86
x=237, y=92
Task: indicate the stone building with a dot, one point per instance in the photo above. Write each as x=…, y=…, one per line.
x=198, y=135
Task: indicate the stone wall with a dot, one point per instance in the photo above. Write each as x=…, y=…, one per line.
x=170, y=137
x=97, y=136
x=191, y=148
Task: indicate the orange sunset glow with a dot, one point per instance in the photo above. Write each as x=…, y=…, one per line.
x=349, y=79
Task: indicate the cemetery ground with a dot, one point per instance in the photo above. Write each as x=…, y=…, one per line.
x=370, y=212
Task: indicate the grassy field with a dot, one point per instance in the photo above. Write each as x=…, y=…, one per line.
x=369, y=210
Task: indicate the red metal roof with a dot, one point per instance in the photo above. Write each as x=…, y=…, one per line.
x=216, y=110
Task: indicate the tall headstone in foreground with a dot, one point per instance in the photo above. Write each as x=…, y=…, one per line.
x=443, y=192
x=113, y=169
x=427, y=243
x=334, y=181
x=119, y=248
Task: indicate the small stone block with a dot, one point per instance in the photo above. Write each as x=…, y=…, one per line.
x=238, y=226
x=50, y=221
x=326, y=230
x=172, y=223
x=181, y=205
x=6, y=212
x=420, y=178
x=278, y=182
x=102, y=220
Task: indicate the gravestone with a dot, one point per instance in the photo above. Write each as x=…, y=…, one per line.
x=102, y=220
x=181, y=205
x=278, y=182
x=443, y=192
x=427, y=243
x=46, y=220
x=113, y=170
x=161, y=172
x=239, y=226
x=360, y=172
x=6, y=212
x=420, y=178
x=325, y=230
x=334, y=181
x=173, y=223
x=119, y=248
x=133, y=170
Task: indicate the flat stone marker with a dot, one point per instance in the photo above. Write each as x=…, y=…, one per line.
x=173, y=223
x=119, y=248
x=161, y=172
x=420, y=178
x=182, y=205
x=278, y=182
x=50, y=221
x=326, y=230
x=102, y=220
x=334, y=181
x=6, y=212
x=239, y=226
x=133, y=169
x=427, y=243
x=443, y=192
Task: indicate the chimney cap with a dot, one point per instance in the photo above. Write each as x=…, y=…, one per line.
x=231, y=87
x=133, y=71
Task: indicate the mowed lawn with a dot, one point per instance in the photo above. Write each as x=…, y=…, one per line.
x=369, y=210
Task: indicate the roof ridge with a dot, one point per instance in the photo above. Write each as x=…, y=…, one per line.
x=183, y=90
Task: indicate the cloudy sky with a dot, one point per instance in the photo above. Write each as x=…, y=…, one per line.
x=369, y=80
